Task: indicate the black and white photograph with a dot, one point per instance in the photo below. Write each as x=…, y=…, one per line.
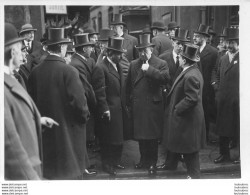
x=125, y=97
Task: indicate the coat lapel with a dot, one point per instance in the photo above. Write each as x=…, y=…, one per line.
x=205, y=51
x=111, y=69
x=84, y=62
x=234, y=61
x=138, y=71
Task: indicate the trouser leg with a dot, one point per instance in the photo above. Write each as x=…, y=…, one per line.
x=192, y=162
x=224, y=145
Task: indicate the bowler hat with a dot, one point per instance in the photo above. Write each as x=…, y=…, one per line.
x=82, y=40
x=202, y=29
x=105, y=33
x=91, y=31
x=117, y=20
x=26, y=28
x=211, y=32
x=172, y=25
x=144, y=41
x=190, y=52
x=223, y=32
x=115, y=43
x=146, y=30
x=11, y=35
x=70, y=48
x=232, y=34
x=181, y=35
x=56, y=36
x=158, y=25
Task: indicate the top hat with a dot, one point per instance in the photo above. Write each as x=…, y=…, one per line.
x=202, y=29
x=117, y=20
x=11, y=35
x=56, y=36
x=211, y=32
x=105, y=33
x=144, y=41
x=223, y=32
x=158, y=25
x=146, y=30
x=181, y=35
x=232, y=34
x=70, y=48
x=82, y=40
x=115, y=43
x=26, y=28
x=91, y=31
x=172, y=25
x=190, y=52
x=67, y=31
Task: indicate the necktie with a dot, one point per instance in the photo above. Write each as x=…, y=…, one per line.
x=177, y=61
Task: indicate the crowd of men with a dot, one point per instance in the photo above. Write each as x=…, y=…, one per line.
x=108, y=87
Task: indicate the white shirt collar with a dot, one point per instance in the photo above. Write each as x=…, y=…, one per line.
x=185, y=68
x=174, y=56
x=54, y=54
x=202, y=46
x=6, y=70
x=82, y=56
x=111, y=62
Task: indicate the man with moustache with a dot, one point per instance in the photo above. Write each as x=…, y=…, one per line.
x=208, y=57
x=111, y=107
x=184, y=124
x=144, y=99
x=228, y=117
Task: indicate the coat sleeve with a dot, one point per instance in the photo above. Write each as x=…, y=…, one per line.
x=17, y=163
x=191, y=95
x=157, y=47
x=76, y=94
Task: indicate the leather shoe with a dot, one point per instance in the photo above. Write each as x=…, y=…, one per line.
x=89, y=172
x=222, y=159
x=109, y=169
x=139, y=165
x=119, y=166
x=165, y=167
x=152, y=170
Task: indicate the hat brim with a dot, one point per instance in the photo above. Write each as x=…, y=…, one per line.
x=57, y=42
x=157, y=27
x=103, y=39
x=208, y=35
x=195, y=59
x=144, y=46
x=95, y=33
x=84, y=44
x=19, y=39
x=173, y=27
x=122, y=51
x=27, y=30
x=233, y=38
x=118, y=23
x=180, y=39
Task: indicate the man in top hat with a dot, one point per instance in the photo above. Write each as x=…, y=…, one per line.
x=58, y=93
x=129, y=42
x=111, y=107
x=184, y=124
x=208, y=56
x=144, y=99
x=93, y=37
x=212, y=37
x=70, y=51
x=160, y=40
x=172, y=27
x=228, y=117
x=22, y=121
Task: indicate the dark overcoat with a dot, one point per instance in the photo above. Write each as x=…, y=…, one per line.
x=129, y=44
x=111, y=132
x=162, y=43
x=23, y=138
x=58, y=93
x=208, y=58
x=145, y=98
x=184, y=124
x=228, y=120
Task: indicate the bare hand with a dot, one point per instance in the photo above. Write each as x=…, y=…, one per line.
x=106, y=115
x=48, y=122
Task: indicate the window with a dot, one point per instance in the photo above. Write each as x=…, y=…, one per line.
x=99, y=21
x=94, y=23
x=234, y=16
x=110, y=14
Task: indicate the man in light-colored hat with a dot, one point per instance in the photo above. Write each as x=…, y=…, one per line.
x=22, y=120
x=208, y=57
x=57, y=91
x=144, y=99
x=160, y=40
x=184, y=124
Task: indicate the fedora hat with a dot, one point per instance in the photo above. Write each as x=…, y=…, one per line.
x=144, y=41
x=190, y=52
x=223, y=32
x=56, y=36
x=232, y=34
x=181, y=35
x=172, y=25
x=115, y=43
x=158, y=25
x=26, y=28
x=11, y=35
x=117, y=20
x=82, y=40
x=105, y=33
x=202, y=29
x=91, y=31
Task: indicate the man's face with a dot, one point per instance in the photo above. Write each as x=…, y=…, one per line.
x=116, y=57
x=178, y=46
x=87, y=50
x=145, y=54
x=154, y=32
x=17, y=57
x=29, y=36
x=233, y=46
x=171, y=33
x=93, y=38
x=223, y=44
x=118, y=29
x=198, y=39
x=67, y=58
x=182, y=61
x=24, y=55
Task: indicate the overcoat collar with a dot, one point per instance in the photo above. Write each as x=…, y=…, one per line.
x=235, y=60
x=84, y=61
x=111, y=69
x=54, y=58
x=205, y=51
